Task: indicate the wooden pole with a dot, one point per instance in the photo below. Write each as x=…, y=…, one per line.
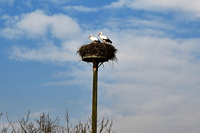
x=94, y=96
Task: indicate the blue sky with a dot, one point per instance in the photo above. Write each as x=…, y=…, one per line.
x=153, y=88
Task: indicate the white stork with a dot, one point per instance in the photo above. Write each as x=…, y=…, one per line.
x=94, y=39
x=105, y=39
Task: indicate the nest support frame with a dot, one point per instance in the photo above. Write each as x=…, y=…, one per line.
x=98, y=60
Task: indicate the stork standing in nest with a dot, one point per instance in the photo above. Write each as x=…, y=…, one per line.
x=105, y=39
x=94, y=39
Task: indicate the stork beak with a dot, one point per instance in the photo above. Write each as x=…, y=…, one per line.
x=98, y=34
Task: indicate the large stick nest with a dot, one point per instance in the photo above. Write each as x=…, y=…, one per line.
x=98, y=49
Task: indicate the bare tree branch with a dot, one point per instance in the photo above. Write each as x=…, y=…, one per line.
x=44, y=124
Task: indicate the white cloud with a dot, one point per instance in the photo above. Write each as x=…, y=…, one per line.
x=157, y=123
x=155, y=86
x=142, y=26
x=10, y=2
x=11, y=33
x=34, y=23
x=10, y=20
x=28, y=4
x=161, y=5
x=74, y=75
x=38, y=24
x=48, y=52
x=189, y=5
x=80, y=8
x=56, y=1
x=37, y=114
x=66, y=83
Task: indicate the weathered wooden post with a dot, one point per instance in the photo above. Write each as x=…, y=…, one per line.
x=96, y=53
x=94, y=95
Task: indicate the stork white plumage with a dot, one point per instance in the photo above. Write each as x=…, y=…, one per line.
x=105, y=39
x=94, y=39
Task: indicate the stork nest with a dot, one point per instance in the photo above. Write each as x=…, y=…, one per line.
x=98, y=49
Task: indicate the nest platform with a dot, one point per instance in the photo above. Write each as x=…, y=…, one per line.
x=97, y=58
x=101, y=52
